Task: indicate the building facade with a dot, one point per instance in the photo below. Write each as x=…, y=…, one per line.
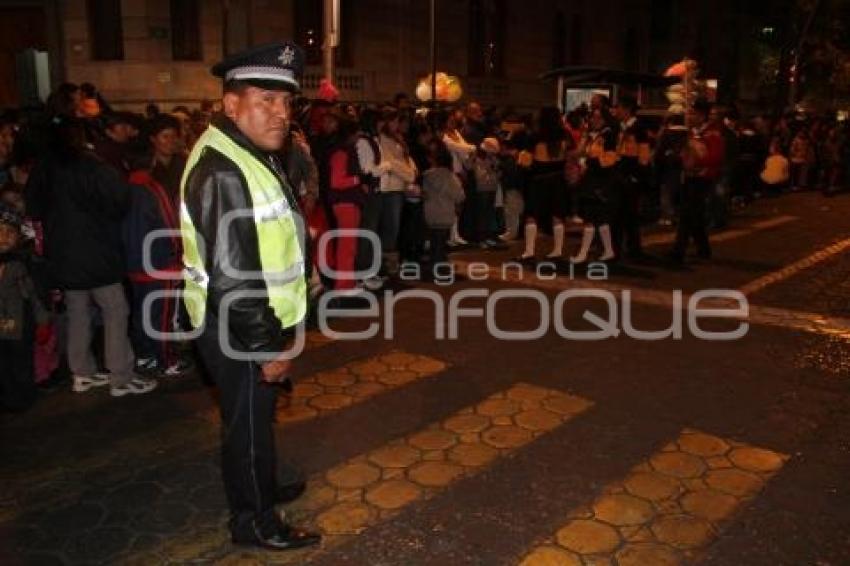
x=139, y=51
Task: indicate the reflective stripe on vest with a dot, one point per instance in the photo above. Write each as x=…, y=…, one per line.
x=280, y=246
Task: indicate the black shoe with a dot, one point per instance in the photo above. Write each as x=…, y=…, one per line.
x=291, y=492
x=286, y=538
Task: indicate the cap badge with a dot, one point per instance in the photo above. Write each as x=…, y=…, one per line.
x=287, y=56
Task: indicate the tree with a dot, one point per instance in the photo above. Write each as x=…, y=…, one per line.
x=815, y=54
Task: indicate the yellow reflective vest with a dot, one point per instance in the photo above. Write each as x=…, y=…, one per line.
x=279, y=235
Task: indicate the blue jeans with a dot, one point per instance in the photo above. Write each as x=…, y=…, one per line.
x=370, y=221
x=391, y=207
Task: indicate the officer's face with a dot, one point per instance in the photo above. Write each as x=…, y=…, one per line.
x=262, y=115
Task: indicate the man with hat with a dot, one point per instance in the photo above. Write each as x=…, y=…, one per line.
x=244, y=258
x=114, y=146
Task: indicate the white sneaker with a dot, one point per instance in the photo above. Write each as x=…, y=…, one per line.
x=83, y=383
x=135, y=386
x=373, y=283
x=178, y=368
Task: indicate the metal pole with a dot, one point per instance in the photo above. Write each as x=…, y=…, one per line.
x=433, y=53
x=687, y=94
x=329, y=39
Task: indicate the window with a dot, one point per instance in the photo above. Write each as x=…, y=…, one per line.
x=236, y=30
x=487, y=38
x=107, y=36
x=559, y=32
x=185, y=30
x=309, y=31
x=576, y=40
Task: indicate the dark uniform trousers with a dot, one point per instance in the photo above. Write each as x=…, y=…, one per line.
x=626, y=226
x=692, y=223
x=248, y=456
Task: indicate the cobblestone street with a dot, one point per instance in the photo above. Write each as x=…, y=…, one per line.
x=481, y=451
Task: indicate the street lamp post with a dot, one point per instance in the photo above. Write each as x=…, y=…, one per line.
x=433, y=53
x=331, y=33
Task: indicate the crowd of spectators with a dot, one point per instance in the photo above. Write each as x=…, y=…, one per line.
x=83, y=186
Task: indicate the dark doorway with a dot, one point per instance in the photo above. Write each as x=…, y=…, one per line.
x=20, y=28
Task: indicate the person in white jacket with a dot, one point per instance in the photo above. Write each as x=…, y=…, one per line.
x=397, y=173
x=461, y=152
x=372, y=168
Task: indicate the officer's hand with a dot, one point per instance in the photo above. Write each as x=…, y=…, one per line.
x=276, y=371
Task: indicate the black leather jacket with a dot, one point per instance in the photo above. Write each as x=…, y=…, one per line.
x=214, y=187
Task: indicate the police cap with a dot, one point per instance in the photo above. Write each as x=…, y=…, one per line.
x=275, y=66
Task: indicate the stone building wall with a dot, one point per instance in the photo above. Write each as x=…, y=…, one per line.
x=147, y=72
x=390, y=46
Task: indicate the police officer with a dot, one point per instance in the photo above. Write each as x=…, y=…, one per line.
x=244, y=258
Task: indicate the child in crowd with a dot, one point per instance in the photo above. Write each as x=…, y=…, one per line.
x=31, y=246
x=512, y=185
x=442, y=195
x=485, y=169
x=776, y=169
x=23, y=319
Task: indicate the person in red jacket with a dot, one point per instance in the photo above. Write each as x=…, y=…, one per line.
x=346, y=197
x=702, y=160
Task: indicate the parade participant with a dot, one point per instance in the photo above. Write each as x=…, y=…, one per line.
x=547, y=191
x=702, y=158
x=244, y=257
x=633, y=147
x=600, y=181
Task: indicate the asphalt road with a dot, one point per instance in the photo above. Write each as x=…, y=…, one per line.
x=480, y=450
